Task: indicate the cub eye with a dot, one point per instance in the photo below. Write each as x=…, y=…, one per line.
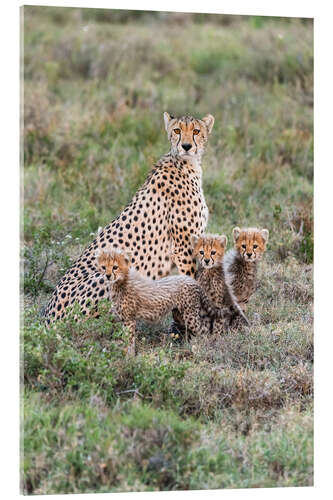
x=103, y=267
x=196, y=131
x=176, y=130
x=244, y=246
x=255, y=246
x=213, y=252
x=201, y=252
x=115, y=268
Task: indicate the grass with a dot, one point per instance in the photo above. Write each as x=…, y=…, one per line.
x=234, y=412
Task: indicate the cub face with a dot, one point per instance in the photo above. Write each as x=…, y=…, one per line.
x=250, y=243
x=188, y=135
x=209, y=250
x=113, y=263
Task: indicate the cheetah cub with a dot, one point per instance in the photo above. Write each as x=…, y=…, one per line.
x=241, y=263
x=135, y=297
x=209, y=251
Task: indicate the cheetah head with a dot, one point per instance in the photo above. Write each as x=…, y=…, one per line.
x=209, y=249
x=188, y=135
x=250, y=242
x=113, y=263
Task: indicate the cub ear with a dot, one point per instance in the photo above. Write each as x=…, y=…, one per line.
x=194, y=240
x=98, y=253
x=167, y=119
x=264, y=234
x=128, y=257
x=236, y=232
x=223, y=240
x=209, y=121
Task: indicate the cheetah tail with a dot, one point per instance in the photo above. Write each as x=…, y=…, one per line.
x=239, y=311
x=230, y=300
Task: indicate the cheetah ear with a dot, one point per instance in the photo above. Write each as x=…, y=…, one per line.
x=223, y=240
x=264, y=234
x=194, y=240
x=167, y=119
x=209, y=121
x=128, y=257
x=236, y=232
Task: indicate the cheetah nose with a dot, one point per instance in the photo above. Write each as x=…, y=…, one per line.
x=187, y=147
x=207, y=261
x=108, y=276
x=249, y=254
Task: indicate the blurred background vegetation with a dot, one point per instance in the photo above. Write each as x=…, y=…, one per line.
x=96, y=83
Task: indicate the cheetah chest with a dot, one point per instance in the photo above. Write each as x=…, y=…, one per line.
x=212, y=281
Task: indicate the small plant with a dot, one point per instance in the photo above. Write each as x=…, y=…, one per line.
x=38, y=257
x=75, y=355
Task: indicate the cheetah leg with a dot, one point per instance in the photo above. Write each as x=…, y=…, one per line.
x=177, y=325
x=130, y=324
x=219, y=327
x=195, y=323
x=182, y=257
x=115, y=316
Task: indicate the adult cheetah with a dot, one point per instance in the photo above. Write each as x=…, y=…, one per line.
x=165, y=213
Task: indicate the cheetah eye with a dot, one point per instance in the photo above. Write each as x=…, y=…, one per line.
x=244, y=246
x=103, y=267
x=176, y=130
x=201, y=252
x=196, y=131
x=115, y=268
x=255, y=246
x=213, y=252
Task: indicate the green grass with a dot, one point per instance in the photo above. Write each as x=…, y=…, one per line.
x=234, y=412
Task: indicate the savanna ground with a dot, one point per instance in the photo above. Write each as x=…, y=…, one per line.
x=235, y=412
